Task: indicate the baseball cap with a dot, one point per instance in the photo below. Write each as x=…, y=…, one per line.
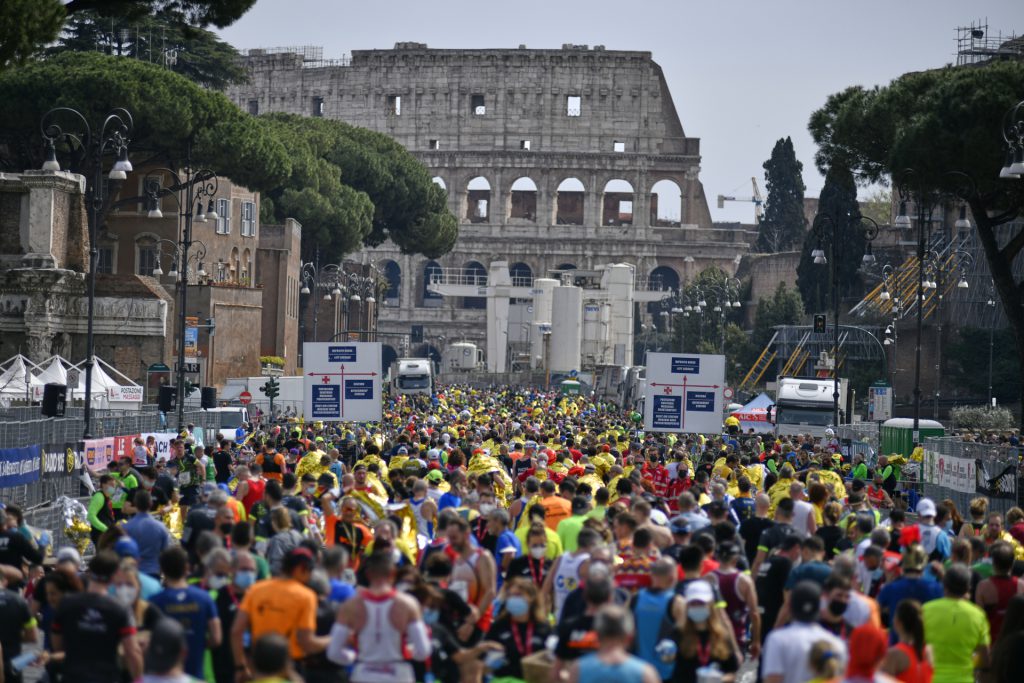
x=402, y=450
x=580, y=505
x=433, y=454
x=434, y=475
x=69, y=554
x=805, y=601
x=699, y=591
x=926, y=507
x=126, y=547
x=679, y=525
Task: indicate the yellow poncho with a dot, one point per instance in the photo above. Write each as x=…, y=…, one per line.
x=777, y=492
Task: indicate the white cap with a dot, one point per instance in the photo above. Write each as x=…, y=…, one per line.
x=433, y=454
x=700, y=591
x=926, y=507
x=69, y=554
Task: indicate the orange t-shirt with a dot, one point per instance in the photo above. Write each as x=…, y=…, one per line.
x=556, y=509
x=281, y=606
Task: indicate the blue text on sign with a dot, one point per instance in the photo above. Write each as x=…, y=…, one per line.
x=700, y=401
x=685, y=366
x=327, y=400
x=667, y=412
x=341, y=354
x=358, y=389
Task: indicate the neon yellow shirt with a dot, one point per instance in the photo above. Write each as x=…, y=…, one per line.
x=954, y=629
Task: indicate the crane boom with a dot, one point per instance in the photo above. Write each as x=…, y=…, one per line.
x=757, y=200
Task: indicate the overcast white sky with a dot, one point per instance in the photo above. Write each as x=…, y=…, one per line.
x=743, y=73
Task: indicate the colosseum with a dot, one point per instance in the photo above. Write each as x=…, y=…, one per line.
x=553, y=160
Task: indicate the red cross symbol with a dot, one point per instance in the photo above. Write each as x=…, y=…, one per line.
x=325, y=378
x=685, y=383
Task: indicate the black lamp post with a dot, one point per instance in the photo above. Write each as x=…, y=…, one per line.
x=189, y=191
x=838, y=223
x=911, y=187
x=315, y=279
x=86, y=152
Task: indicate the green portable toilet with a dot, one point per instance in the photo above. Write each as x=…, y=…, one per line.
x=897, y=434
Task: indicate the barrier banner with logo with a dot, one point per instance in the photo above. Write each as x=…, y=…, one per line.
x=19, y=466
x=60, y=460
x=997, y=479
x=951, y=472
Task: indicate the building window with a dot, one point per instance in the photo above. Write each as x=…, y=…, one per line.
x=435, y=144
x=223, y=216
x=254, y=107
x=619, y=146
x=147, y=259
x=476, y=105
x=524, y=145
x=318, y=106
x=573, y=105
x=106, y=263
x=248, y=219
x=395, y=105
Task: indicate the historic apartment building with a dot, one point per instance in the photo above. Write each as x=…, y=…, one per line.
x=552, y=159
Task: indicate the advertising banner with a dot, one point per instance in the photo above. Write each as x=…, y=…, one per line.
x=19, y=466
x=951, y=472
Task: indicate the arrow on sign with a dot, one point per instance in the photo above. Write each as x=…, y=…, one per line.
x=684, y=385
x=326, y=379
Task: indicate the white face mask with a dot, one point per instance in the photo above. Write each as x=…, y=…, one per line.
x=126, y=594
x=486, y=508
x=538, y=552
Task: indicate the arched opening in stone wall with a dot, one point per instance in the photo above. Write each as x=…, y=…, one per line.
x=617, y=204
x=523, y=204
x=475, y=275
x=431, y=299
x=521, y=274
x=439, y=181
x=478, y=200
x=569, y=202
x=666, y=204
x=393, y=273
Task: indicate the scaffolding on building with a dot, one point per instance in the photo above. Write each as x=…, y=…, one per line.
x=975, y=45
x=794, y=350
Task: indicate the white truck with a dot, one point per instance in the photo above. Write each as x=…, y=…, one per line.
x=805, y=405
x=411, y=376
x=289, y=397
x=231, y=418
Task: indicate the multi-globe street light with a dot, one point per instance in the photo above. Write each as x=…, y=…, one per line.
x=191, y=190
x=86, y=151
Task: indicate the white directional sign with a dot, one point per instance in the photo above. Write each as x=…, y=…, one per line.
x=342, y=381
x=684, y=393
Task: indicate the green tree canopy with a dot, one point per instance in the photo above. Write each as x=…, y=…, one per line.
x=27, y=26
x=839, y=203
x=783, y=225
x=370, y=189
x=171, y=113
x=193, y=52
x=935, y=122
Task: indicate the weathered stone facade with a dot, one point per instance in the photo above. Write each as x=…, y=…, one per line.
x=44, y=245
x=551, y=158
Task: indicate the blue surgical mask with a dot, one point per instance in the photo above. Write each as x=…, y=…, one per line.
x=430, y=616
x=517, y=605
x=698, y=614
x=245, y=578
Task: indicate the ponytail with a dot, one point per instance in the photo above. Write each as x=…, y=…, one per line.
x=908, y=612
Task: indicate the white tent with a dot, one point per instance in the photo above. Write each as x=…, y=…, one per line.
x=53, y=371
x=116, y=394
x=16, y=380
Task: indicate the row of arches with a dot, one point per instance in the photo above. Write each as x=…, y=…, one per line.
x=665, y=201
x=661, y=277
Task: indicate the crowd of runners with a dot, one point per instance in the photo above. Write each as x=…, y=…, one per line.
x=513, y=535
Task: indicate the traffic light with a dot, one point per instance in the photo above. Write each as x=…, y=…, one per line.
x=187, y=387
x=272, y=388
x=819, y=323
